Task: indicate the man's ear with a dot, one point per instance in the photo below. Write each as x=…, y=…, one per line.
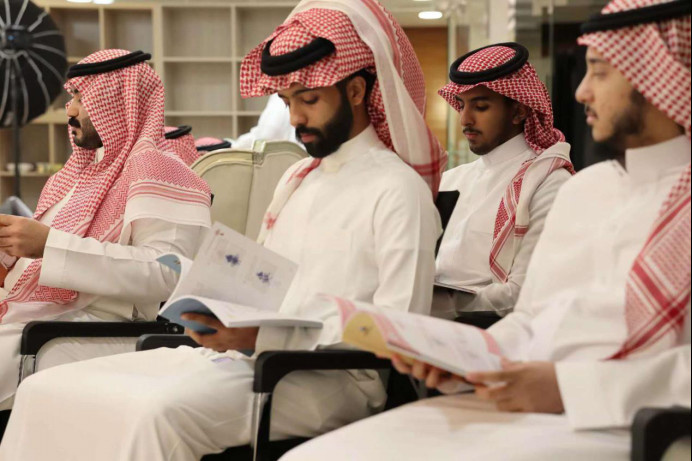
x=356, y=90
x=521, y=113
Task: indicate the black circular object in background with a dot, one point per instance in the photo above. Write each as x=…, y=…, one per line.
x=32, y=46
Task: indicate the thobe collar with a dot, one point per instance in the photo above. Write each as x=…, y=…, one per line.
x=100, y=152
x=506, y=151
x=352, y=148
x=650, y=163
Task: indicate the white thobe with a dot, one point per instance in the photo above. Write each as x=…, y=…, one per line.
x=362, y=225
x=464, y=257
x=571, y=311
x=274, y=124
x=115, y=283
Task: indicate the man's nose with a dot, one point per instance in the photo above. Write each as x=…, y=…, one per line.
x=583, y=94
x=467, y=118
x=297, y=117
x=71, y=110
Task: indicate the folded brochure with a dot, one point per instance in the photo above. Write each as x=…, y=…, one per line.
x=234, y=279
x=448, y=345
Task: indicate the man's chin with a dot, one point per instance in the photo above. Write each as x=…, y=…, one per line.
x=478, y=150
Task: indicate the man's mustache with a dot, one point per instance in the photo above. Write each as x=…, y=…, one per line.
x=589, y=111
x=73, y=123
x=471, y=131
x=301, y=130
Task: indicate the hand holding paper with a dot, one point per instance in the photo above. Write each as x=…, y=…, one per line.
x=22, y=237
x=223, y=339
x=449, y=346
x=526, y=387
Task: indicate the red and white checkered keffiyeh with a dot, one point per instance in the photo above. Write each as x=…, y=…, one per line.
x=184, y=146
x=524, y=86
x=134, y=180
x=204, y=145
x=366, y=36
x=655, y=59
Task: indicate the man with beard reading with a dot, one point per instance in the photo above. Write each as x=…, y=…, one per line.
x=358, y=218
x=602, y=325
x=505, y=195
x=121, y=201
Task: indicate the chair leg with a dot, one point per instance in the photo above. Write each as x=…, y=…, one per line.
x=27, y=367
x=259, y=421
x=4, y=419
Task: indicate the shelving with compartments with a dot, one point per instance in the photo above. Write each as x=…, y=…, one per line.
x=196, y=47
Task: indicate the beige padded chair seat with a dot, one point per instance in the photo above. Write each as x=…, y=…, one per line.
x=243, y=181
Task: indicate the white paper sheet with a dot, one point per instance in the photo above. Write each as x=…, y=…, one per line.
x=448, y=345
x=240, y=281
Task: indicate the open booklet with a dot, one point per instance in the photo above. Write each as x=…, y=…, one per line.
x=234, y=279
x=448, y=286
x=451, y=346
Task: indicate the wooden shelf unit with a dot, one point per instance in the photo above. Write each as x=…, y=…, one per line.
x=196, y=48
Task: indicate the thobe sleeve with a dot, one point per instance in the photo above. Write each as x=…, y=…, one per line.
x=126, y=272
x=502, y=297
x=406, y=227
x=607, y=394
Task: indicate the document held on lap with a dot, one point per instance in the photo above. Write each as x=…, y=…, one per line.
x=451, y=346
x=234, y=279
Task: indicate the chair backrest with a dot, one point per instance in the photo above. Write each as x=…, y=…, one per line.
x=445, y=203
x=243, y=181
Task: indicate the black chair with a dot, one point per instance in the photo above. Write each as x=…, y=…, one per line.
x=36, y=334
x=445, y=203
x=481, y=319
x=655, y=430
x=270, y=368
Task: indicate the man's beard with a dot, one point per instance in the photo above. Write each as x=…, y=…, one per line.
x=90, y=139
x=629, y=122
x=336, y=132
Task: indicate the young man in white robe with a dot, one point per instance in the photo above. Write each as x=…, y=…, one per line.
x=358, y=220
x=121, y=201
x=602, y=327
x=505, y=195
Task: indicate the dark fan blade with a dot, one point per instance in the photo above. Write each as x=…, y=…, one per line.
x=32, y=47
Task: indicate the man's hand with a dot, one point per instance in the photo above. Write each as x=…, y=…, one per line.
x=225, y=339
x=22, y=237
x=433, y=377
x=530, y=387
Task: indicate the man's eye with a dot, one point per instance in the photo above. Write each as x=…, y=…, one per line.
x=310, y=101
x=481, y=108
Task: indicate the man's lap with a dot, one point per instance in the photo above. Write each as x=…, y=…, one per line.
x=191, y=400
x=462, y=427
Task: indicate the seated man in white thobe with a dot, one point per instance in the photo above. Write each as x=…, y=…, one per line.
x=505, y=195
x=120, y=202
x=273, y=125
x=356, y=218
x=602, y=327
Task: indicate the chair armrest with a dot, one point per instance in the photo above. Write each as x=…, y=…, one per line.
x=36, y=334
x=155, y=341
x=272, y=366
x=656, y=429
